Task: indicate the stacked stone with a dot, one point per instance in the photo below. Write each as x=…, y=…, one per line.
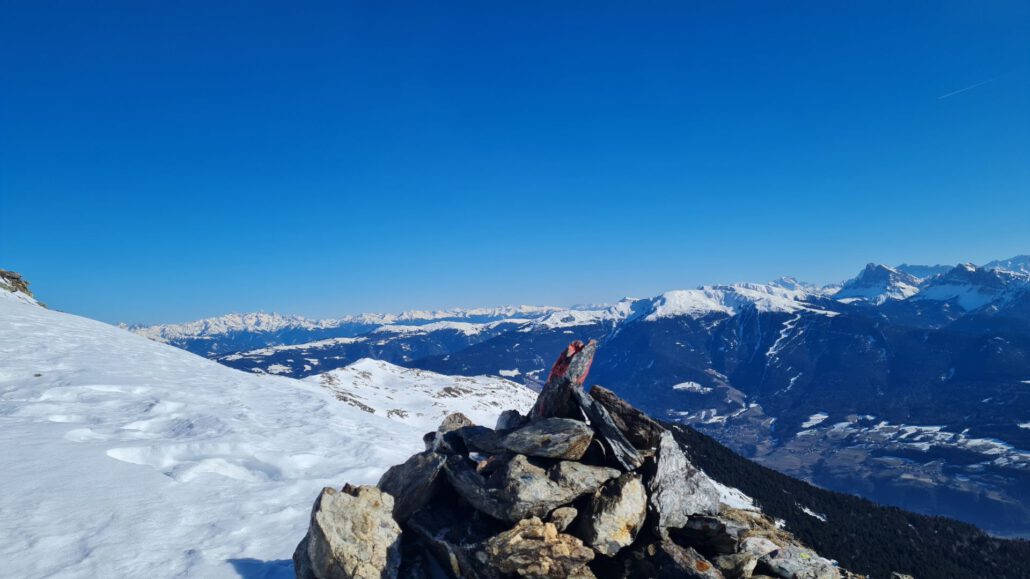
x=584, y=486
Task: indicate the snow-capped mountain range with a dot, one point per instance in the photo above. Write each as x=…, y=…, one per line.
x=912, y=347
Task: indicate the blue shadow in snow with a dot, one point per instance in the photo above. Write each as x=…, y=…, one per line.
x=255, y=569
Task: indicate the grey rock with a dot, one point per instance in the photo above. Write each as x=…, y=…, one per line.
x=793, y=562
x=617, y=445
x=616, y=514
x=641, y=431
x=711, y=534
x=579, y=478
x=547, y=438
x=562, y=517
x=684, y=562
x=447, y=440
x=678, y=488
x=896, y=575
x=519, y=489
x=536, y=550
x=510, y=420
x=737, y=565
x=413, y=484
x=352, y=535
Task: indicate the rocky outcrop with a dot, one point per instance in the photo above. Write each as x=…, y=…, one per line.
x=352, y=535
x=586, y=486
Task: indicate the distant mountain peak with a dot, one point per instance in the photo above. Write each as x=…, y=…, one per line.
x=1017, y=264
x=878, y=283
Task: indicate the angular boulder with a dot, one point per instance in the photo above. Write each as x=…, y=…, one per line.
x=678, y=488
x=414, y=483
x=520, y=489
x=352, y=535
x=616, y=514
x=536, y=550
x=447, y=440
x=617, y=446
x=641, y=431
x=510, y=420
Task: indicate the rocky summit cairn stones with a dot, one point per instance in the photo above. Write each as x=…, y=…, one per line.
x=584, y=486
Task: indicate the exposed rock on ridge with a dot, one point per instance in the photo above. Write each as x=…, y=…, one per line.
x=585, y=486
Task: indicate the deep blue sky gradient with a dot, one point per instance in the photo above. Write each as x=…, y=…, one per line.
x=163, y=161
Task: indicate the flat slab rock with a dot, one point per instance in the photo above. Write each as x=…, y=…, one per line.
x=562, y=438
x=352, y=535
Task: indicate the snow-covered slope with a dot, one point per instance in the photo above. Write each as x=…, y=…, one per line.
x=420, y=398
x=1017, y=264
x=128, y=458
x=973, y=287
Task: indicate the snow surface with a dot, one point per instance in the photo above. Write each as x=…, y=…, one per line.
x=815, y=419
x=124, y=457
x=420, y=398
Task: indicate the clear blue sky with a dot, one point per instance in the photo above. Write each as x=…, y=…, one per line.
x=163, y=161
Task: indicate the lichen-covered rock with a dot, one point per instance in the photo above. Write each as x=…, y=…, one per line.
x=617, y=512
x=793, y=562
x=678, y=488
x=675, y=562
x=562, y=517
x=414, y=483
x=352, y=535
x=536, y=550
x=736, y=565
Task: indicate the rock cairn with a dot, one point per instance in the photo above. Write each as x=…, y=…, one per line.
x=584, y=486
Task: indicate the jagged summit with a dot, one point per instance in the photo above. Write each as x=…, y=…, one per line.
x=973, y=287
x=878, y=283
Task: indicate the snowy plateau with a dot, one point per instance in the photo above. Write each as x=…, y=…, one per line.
x=124, y=457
